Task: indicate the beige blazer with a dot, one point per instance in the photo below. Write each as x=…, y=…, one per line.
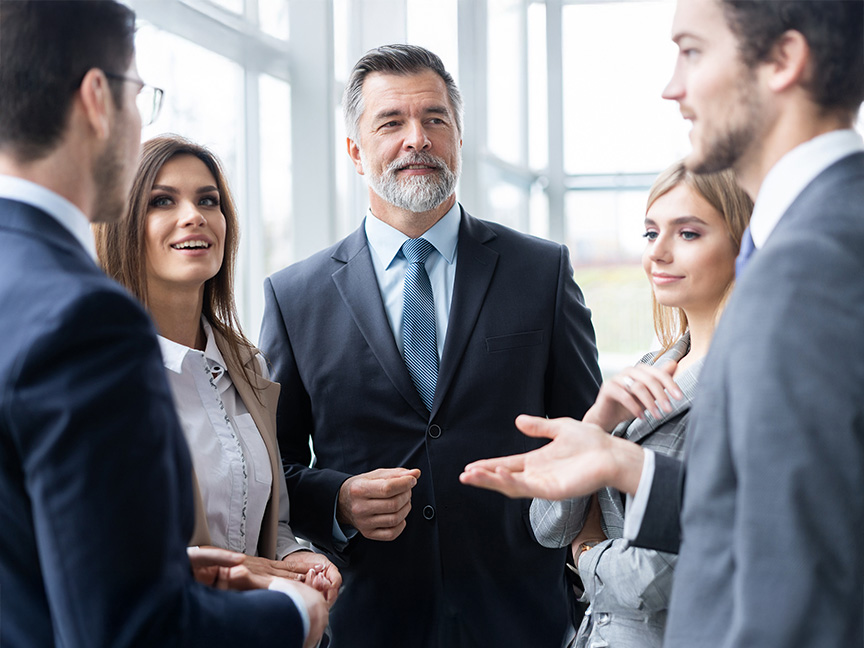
x=263, y=411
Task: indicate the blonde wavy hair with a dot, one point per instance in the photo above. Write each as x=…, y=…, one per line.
x=721, y=192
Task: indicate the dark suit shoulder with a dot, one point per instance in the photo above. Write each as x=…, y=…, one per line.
x=496, y=234
x=321, y=264
x=60, y=294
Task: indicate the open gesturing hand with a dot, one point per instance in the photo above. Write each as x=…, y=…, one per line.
x=580, y=459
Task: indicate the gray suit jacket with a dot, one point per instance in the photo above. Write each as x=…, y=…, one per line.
x=772, y=551
x=628, y=587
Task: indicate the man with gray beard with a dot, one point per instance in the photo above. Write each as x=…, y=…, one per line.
x=404, y=352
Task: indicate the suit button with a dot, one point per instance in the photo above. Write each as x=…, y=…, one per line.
x=428, y=512
x=434, y=431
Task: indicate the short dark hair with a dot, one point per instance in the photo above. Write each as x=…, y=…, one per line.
x=834, y=30
x=395, y=59
x=46, y=48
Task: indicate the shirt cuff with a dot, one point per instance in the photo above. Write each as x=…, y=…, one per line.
x=637, y=504
x=340, y=536
x=287, y=587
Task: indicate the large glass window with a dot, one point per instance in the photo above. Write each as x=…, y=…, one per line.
x=575, y=132
x=203, y=93
x=617, y=58
x=223, y=66
x=565, y=125
x=275, y=178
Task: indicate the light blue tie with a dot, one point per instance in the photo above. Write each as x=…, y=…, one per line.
x=419, y=345
x=748, y=247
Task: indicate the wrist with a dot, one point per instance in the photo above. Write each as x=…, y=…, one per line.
x=581, y=548
x=627, y=461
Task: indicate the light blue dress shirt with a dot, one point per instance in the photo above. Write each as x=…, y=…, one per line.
x=385, y=246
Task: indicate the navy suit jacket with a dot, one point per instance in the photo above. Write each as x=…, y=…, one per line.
x=466, y=571
x=95, y=489
x=772, y=549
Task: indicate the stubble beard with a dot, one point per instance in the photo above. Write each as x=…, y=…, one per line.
x=111, y=199
x=417, y=194
x=113, y=175
x=728, y=148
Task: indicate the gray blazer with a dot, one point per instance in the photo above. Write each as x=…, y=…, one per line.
x=772, y=551
x=628, y=588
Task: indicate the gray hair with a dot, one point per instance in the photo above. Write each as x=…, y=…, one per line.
x=394, y=59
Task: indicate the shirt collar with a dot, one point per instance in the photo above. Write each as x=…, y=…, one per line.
x=53, y=204
x=795, y=170
x=386, y=241
x=174, y=353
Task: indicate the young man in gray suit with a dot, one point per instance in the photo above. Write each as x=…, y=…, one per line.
x=427, y=562
x=771, y=545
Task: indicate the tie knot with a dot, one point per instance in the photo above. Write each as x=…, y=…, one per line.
x=417, y=250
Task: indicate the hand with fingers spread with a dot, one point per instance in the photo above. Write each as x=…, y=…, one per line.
x=580, y=459
x=633, y=391
x=376, y=503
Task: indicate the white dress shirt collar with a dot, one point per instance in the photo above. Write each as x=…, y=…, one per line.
x=174, y=353
x=386, y=241
x=55, y=205
x=792, y=173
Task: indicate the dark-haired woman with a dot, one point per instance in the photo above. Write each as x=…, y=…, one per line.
x=175, y=251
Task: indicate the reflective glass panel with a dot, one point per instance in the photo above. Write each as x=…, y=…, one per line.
x=617, y=59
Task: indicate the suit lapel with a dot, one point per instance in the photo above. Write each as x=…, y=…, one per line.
x=640, y=429
x=358, y=286
x=475, y=267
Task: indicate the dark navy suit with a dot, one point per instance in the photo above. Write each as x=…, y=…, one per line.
x=466, y=571
x=95, y=489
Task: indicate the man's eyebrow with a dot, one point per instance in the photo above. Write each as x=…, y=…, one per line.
x=395, y=112
x=677, y=38
x=438, y=110
x=384, y=114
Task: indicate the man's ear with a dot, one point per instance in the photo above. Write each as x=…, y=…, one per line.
x=789, y=61
x=97, y=102
x=354, y=154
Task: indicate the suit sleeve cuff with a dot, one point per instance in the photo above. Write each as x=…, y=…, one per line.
x=638, y=503
x=287, y=587
x=341, y=535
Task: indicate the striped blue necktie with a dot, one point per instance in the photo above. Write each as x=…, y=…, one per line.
x=419, y=345
x=748, y=247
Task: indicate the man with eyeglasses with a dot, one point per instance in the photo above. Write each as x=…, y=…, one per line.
x=95, y=490
x=148, y=100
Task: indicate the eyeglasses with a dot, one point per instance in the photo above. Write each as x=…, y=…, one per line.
x=148, y=99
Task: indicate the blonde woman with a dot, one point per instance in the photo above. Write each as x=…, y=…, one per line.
x=693, y=229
